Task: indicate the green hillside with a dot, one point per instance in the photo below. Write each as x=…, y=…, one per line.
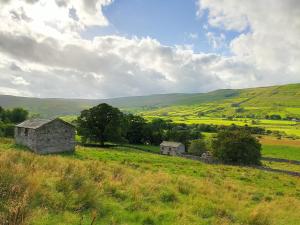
x=126, y=186
x=245, y=103
x=54, y=107
x=283, y=100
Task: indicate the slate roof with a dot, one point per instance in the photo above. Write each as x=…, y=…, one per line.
x=171, y=144
x=37, y=123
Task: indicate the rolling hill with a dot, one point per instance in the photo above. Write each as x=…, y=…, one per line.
x=284, y=100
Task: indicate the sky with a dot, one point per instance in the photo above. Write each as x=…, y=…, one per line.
x=112, y=48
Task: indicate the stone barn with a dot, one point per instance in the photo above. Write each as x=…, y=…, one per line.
x=172, y=148
x=46, y=136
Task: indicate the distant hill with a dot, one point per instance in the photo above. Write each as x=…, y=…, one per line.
x=260, y=99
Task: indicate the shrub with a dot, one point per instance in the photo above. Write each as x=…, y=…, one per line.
x=198, y=147
x=237, y=147
x=275, y=117
x=6, y=129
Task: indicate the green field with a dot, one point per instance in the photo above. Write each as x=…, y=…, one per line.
x=283, y=152
x=289, y=128
x=126, y=186
x=282, y=166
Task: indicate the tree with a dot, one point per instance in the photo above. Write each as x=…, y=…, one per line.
x=197, y=147
x=101, y=123
x=156, y=130
x=182, y=134
x=2, y=114
x=17, y=115
x=136, y=129
x=237, y=147
x=275, y=117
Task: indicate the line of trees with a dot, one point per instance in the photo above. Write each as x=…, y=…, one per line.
x=8, y=119
x=104, y=123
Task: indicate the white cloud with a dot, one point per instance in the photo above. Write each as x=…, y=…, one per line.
x=19, y=81
x=51, y=18
x=42, y=53
x=216, y=41
x=270, y=41
x=13, y=91
x=109, y=66
x=193, y=35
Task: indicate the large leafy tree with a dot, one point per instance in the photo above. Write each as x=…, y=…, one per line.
x=136, y=129
x=237, y=147
x=156, y=130
x=101, y=123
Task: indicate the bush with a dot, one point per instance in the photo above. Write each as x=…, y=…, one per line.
x=197, y=147
x=275, y=117
x=6, y=130
x=237, y=147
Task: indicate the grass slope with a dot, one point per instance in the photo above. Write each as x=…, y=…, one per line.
x=125, y=186
x=284, y=100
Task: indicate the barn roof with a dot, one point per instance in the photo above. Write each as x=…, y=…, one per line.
x=171, y=144
x=37, y=123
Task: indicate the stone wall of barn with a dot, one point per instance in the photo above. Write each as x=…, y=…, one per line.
x=54, y=137
x=167, y=150
x=181, y=149
x=26, y=137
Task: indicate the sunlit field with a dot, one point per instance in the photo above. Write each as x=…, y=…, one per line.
x=287, y=127
x=284, y=149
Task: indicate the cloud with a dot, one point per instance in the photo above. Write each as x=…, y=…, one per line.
x=269, y=41
x=109, y=66
x=15, y=67
x=12, y=91
x=43, y=54
x=193, y=35
x=19, y=81
x=216, y=41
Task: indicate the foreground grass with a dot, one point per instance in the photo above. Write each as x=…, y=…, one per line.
x=125, y=186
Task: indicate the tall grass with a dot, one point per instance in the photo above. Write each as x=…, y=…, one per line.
x=123, y=186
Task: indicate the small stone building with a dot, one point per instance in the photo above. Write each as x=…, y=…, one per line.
x=172, y=148
x=207, y=157
x=46, y=136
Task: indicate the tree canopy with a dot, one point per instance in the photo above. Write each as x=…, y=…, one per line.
x=237, y=147
x=8, y=119
x=16, y=115
x=100, y=124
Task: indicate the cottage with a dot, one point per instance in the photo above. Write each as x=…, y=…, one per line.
x=46, y=136
x=171, y=148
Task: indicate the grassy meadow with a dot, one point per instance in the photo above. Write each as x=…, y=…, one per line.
x=128, y=186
